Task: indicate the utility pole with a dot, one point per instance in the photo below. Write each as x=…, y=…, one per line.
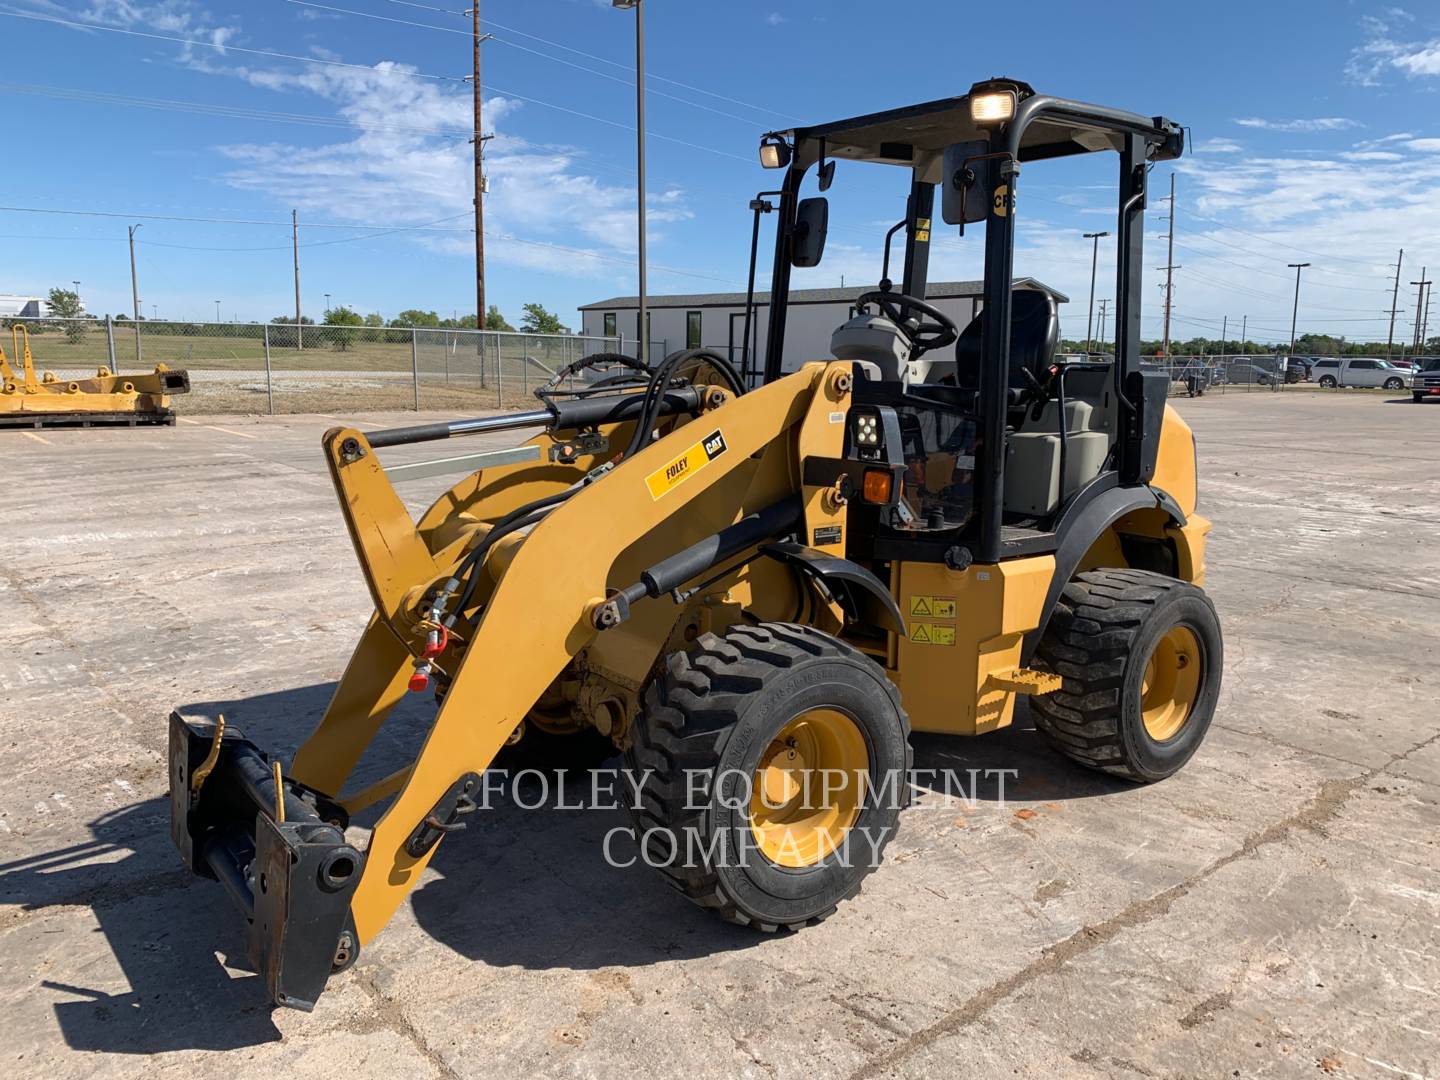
x=478, y=141
x=1224, y=327
x=1295, y=312
x=644, y=321
x=1244, y=327
x=1394, y=304
x=1101, y=339
x=1094, y=261
x=295, y=247
x=1424, y=323
x=135, y=292
x=1424, y=283
x=1170, y=268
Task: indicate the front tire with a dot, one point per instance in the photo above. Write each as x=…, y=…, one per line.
x=1140, y=654
x=1328, y=382
x=728, y=753
x=1418, y=398
x=1394, y=384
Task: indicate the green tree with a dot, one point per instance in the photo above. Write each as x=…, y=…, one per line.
x=539, y=321
x=414, y=317
x=65, y=304
x=495, y=321
x=343, y=320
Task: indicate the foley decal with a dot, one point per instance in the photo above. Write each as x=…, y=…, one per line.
x=667, y=478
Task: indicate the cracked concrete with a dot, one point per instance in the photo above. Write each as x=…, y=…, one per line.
x=1274, y=910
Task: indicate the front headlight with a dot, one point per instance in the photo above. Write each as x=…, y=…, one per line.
x=867, y=430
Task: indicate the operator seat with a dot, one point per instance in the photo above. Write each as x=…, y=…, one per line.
x=1034, y=337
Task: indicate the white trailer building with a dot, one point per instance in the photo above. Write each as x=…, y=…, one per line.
x=716, y=320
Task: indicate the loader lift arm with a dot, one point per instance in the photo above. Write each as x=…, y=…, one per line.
x=538, y=615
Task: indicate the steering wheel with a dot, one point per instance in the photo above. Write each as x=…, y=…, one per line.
x=936, y=334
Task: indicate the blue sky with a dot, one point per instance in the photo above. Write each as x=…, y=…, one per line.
x=1314, y=139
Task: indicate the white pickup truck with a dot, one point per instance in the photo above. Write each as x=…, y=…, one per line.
x=1426, y=381
x=1360, y=371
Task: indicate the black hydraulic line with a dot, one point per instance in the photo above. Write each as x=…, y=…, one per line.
x=558, y=416
x=672, y=572
x=447, y=429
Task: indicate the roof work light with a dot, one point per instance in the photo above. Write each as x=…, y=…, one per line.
x=991, y=105
x=774, y=152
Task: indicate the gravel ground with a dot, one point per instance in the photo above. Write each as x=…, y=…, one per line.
x=1271, y=911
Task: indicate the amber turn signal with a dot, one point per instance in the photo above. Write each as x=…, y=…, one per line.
x=876, y=484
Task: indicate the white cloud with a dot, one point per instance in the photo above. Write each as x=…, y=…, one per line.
x=1219, y=146
x=409, y=165
x=1424, y=145
x=1372, y=155
x=178, y=18
x=1323, y=123
x=775, y=18
x=1384, y=50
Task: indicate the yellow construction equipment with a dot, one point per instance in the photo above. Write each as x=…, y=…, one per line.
x=757, y=592
x=107, y=398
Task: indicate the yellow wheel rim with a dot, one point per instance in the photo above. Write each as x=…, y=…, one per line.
x=1171, y=683
x=809, y=788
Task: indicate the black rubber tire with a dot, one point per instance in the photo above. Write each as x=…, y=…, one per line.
x=1394, y=384
x=1419, y=398
x=712, y=714
x=1328, y=382
x=1099, y=639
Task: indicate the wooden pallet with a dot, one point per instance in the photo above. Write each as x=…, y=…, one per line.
x=33, y=421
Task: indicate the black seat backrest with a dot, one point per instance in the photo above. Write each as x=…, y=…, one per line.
x=1034, y=337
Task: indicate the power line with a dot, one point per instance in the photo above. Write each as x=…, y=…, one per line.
x=373, y=70
x=224, y=221
x=522, y=48
x=234, y=112
x=649, y=75
x=381, y=230
x=1265, y=239
x=228, y=48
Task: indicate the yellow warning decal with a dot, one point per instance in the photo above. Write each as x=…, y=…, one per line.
x=932, y=607
x=931, y=634
x=667, y=478
x=1003, y=201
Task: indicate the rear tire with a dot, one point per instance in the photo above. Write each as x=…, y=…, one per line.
x=1394, y=384
x=701, y=751
x=1115, y=711
x=1328, y=382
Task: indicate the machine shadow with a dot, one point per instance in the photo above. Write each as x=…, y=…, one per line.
x=172, y=935
x=164, y=936
x=535, y=888
x=545, y=888
x=1014, y=764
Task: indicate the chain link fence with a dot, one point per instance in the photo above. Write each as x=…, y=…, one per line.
x=1193, y=376
x=281, y=368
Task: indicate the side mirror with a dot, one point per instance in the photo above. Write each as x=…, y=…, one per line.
x=807, y=238
x=966, y=183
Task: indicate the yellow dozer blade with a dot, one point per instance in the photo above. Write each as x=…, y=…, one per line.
x=29, y=401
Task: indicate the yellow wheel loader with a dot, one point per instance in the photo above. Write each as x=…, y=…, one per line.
x=757, y=584
x=28, y=401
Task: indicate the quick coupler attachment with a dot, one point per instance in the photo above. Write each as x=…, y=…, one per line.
x=277, y=847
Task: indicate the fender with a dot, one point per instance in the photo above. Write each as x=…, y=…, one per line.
x=1093, y=510
x=863, y=596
